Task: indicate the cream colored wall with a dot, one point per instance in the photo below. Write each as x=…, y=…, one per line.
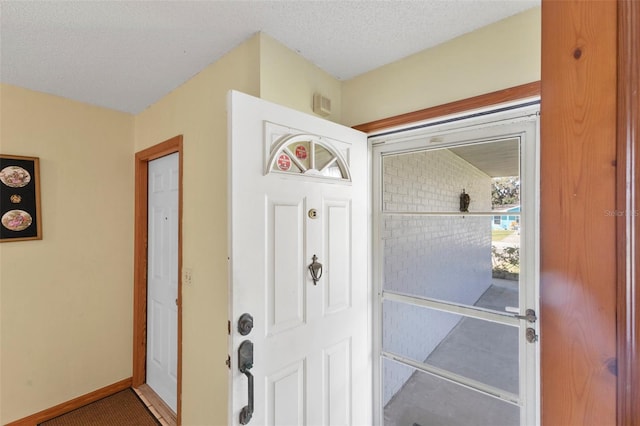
x=66, y=322
x=197, y=110
x=66, y=299
x=288, y=79
x=261, y=67
x=495, y=57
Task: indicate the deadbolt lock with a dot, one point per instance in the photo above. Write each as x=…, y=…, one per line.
x=245, y=324
x=313, y=213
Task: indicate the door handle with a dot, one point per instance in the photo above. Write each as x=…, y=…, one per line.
x=315, y=269
x=530, y=316
x=245, y=363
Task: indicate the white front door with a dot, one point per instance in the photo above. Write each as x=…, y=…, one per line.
x=162, y=278
x=298, y=192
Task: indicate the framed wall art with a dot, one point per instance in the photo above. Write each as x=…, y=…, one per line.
x=19, y=198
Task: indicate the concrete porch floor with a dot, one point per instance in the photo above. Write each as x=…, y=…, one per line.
x=480, y=350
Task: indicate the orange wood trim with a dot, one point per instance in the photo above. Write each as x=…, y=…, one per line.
x=507, y=95
x=73, y=404
x=142, y=159
x=628, y=203
x=140, y=273
x=577, y=235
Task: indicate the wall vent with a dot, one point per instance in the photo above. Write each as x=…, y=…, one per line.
x=321, y=105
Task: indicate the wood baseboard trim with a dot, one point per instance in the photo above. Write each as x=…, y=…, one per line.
x=73, y=404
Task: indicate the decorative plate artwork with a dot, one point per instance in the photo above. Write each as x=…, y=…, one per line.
x=16, y=220
x=15, y=177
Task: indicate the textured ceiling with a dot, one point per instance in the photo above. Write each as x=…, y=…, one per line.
x=126, y=55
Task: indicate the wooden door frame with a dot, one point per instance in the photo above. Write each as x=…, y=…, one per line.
x=142, y=159
x=511, y=94
x=628, y=201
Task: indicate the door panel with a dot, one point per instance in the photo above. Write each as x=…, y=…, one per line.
x=338, y=283
x=286, y=395
x=311, y=340
x=337, y=397
x=162, y=278
x=285, y=304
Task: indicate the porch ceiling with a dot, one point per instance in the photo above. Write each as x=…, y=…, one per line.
x=497, y=159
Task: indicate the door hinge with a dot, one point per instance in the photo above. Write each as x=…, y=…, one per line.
x=228, y=361
x=229, y=327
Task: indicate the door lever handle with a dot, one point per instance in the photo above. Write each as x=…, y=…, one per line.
x=245, y=363
x=315, y=269
x=529, y=315
x=247, y=411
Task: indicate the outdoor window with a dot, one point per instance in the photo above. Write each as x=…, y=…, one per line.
x=307, y=155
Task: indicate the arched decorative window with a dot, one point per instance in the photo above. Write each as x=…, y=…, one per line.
x=307, y=155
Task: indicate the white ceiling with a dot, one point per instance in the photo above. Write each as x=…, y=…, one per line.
x=126, y=55
x=495, y=158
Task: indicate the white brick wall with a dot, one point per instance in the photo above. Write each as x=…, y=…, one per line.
x=441, y=257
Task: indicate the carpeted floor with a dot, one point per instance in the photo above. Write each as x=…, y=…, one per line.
x=120, y=409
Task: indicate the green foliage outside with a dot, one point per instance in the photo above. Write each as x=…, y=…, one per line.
x=505, y=191
x=506, y=259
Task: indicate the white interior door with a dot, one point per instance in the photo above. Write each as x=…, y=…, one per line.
x=298, y=190
x=162, y=278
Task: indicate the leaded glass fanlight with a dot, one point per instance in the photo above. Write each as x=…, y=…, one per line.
x=307, y=155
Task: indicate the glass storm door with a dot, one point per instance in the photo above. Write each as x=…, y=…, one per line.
x=455, y=266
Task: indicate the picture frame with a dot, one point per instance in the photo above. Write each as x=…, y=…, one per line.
x=20, y=217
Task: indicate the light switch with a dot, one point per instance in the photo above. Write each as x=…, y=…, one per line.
x=187, y=276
